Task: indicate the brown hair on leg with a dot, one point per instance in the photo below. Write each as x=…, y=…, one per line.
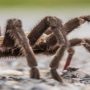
x=20, y=39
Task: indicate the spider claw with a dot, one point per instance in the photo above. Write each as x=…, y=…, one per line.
x=56, y=76
x=34, y=73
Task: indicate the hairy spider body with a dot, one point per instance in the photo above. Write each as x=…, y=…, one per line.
x=16, y=43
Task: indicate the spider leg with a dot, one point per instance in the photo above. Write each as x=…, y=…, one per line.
x=43, y=27
x=12, y=51
x=86, y=44
x=40, y=29
x=72, y=24
x=8, y=47
x=55, y=63
x=69, y=58
x=73, y=43
x=20, y=39
x=52, y=49
x=59, y=54
x=75, y=23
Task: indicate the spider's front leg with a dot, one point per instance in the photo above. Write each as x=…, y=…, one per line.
x=19, y=35
x=61, y=39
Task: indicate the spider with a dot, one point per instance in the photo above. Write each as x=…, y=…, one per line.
x=15, y=41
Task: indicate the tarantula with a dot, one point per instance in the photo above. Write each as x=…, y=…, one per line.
x=15, y=42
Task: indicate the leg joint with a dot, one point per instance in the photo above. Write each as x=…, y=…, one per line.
x=53, y=21
x=71, y=51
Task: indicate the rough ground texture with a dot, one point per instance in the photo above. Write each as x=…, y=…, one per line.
x=14, y=74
